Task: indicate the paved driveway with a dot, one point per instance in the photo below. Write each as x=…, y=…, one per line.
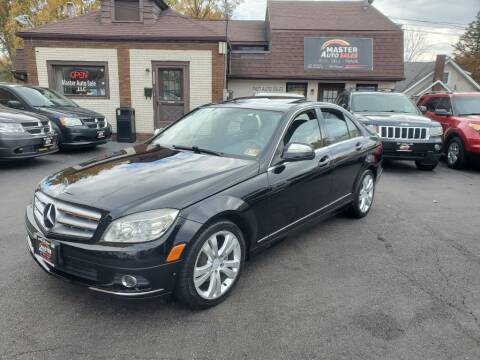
x=402, y=283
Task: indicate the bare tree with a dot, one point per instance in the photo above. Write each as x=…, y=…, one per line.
x=415, y=45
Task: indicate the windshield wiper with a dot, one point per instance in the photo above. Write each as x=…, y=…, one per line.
x=469, y=114
x=197, y=150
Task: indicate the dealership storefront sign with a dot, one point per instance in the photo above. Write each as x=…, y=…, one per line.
x=335, y=53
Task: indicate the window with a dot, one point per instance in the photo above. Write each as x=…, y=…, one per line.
x=431, y=104
x=127, y=10
x=250, y=48
x=171, y=85
x=369, y=87
x=382, y=102
x=336, y=126
x=79, y=80
x=297, y=88
x=445, y=77
x=352, y=128
x=444, y=103
x=6, y=96
x=305, y=130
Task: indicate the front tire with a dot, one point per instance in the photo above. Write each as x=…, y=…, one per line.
x=212, y=267
x=456, y=154
x=426, y=166
x=363, y=195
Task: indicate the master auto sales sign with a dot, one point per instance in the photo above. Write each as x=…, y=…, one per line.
x=335, y=53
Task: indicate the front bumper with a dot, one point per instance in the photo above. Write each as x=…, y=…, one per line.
x=101, y=268
x=26, y=146
x=429, y=152
x=85, y=136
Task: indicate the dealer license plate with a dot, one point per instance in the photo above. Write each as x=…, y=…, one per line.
x=101, y=134
x=46, y=250
x=48, y=141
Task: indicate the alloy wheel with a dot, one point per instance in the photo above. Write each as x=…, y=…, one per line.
x=365, y=198
x=453, y=153
x=217, y=265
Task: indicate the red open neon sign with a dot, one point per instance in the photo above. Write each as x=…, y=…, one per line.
x=78, y=75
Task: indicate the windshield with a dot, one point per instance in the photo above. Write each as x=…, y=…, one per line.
x=230, y=131
x=39, y=97
x=395, y=103
x=467, y=105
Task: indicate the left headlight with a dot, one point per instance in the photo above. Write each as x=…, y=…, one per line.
x=436, y=131
x=140, y=227
x=8, y=128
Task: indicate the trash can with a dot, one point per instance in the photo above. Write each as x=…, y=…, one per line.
x=126, y=125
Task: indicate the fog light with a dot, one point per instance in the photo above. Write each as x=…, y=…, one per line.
x=437, y=147
x=129, y=281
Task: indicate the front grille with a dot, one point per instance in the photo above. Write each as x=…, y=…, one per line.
x=95, y=123
x=40, y=127
x=403, y=133
x=70, y=220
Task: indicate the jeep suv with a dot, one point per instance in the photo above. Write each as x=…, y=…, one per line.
x=405, y=133
x=459, y=114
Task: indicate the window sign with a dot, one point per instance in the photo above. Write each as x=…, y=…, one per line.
x=338, y=54
x=84, y=80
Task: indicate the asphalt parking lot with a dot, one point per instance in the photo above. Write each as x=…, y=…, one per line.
x=400, y=284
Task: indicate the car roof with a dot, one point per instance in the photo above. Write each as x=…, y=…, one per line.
x=376, y=93
x=272, y=104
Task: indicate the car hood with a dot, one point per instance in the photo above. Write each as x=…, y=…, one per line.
x=397, y=119
x=14, y=116
x=67, y=111
x=475, y=118
x=147, y=177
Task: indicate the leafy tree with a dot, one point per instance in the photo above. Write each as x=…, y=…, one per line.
x=205, y=9
x=467, y=49
x=39, y=12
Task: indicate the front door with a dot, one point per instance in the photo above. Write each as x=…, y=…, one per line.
x=329, y=92
x=171, y=93
x=299, y=188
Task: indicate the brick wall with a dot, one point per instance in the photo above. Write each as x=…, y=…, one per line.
x=89, y=49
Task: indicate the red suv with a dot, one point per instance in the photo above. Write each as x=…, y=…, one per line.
x=459, y=114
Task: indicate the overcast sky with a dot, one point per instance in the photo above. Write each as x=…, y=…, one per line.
x=457, y=13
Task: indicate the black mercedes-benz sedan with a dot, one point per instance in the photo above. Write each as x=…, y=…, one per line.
x=181, y=212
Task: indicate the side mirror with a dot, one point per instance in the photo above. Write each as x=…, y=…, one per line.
x=442, y=112
x=423, y=109
x=298, y=152
x=157, y=131
x=15, y=104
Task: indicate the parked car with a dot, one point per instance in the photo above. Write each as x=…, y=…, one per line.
x=24, y=135
x=181, y=212
x=405, y=133
x=459, y=115
x=75, y=126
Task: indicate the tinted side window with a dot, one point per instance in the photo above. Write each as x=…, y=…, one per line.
x=5, y=97
x=431, y=104
x=444, y=103
x=304, y=129
x=352, y=128
x=335, y=126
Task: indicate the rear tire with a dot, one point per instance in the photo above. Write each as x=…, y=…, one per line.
x=456, y=154
x=363, y=195
x=426, y=166
x=210, y=271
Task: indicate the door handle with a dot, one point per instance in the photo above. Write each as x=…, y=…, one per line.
x=358, y=146
x=324, y=161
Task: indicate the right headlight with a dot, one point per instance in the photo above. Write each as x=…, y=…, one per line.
x=9, y=128
x=436, y=131
x=68, y=121
x=140, y=227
